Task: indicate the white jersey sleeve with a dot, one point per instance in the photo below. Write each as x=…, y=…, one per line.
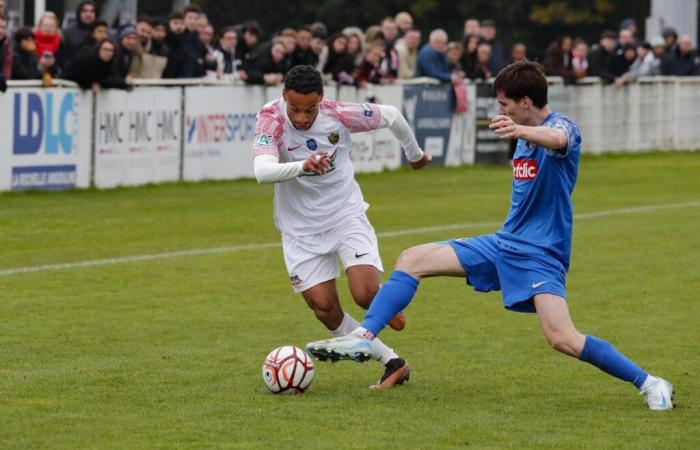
x=358, y=117
x=269, y=130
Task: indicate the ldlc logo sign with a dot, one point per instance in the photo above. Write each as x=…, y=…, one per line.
x=47, y=122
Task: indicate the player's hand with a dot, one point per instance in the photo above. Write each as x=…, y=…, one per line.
x=424, y=161
x=318, y=163
x=504, y=127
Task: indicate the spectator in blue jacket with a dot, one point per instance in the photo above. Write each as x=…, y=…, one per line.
x=432, y=59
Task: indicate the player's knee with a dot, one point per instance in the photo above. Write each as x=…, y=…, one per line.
x=563, y=342
x=364, y=296
x=329, y=315
x=409, y=261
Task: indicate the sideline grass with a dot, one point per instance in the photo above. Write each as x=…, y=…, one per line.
x=167, y=353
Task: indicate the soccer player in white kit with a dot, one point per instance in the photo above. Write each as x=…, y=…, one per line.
x=302, y=144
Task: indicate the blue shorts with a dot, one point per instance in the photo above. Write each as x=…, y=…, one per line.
x=491, y=265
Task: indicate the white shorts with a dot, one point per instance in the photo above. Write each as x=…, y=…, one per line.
x=312, y=259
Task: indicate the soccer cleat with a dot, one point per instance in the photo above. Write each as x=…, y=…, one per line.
x=351, y=347
x=659, y=395
x=398, y=323
x=397, y=372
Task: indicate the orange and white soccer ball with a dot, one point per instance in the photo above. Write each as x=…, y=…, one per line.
x=288, y=370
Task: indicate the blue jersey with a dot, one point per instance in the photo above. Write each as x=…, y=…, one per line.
x=541, y=212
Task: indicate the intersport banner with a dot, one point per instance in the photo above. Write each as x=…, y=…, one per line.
x=137, y=136
x=45, y=139
x=219, y=131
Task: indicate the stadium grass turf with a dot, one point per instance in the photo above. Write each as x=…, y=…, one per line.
x=167, y=353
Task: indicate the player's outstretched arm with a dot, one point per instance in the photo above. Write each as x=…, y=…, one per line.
x=392, y=119
x=268, y=169
x=551, y=138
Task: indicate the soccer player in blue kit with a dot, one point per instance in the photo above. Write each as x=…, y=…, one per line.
x=528, y=258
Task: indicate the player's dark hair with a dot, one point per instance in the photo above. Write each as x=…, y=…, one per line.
x=304, y=80
x=523, y=79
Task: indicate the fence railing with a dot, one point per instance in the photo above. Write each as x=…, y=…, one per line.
x=168, y=130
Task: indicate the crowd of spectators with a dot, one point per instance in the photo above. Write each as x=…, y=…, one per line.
x=186, y=45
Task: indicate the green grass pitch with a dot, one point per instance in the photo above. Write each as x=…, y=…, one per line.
x=167, y=353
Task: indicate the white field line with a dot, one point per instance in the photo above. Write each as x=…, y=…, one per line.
x=386, y=234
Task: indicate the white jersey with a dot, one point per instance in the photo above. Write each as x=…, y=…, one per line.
x=311, y=204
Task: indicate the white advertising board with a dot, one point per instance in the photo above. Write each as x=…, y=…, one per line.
x=137, y=136
x=45, y=142
x=219, y=131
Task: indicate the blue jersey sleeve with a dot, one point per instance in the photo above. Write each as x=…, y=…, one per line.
x=573, y=137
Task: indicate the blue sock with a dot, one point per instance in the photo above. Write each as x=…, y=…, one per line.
x=391, y=299
x=607, y=358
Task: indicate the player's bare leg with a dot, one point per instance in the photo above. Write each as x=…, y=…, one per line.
x=363, y=281
x=561, y=334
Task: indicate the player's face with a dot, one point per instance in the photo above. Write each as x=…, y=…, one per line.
x=519, y=111
x=302, y=109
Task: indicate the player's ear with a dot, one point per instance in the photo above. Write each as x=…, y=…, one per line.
x=284, y=94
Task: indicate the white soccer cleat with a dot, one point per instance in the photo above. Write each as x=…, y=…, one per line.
x=658, y=395
x=352, y=347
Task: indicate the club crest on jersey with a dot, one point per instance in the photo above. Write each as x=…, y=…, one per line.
x=262, y=140
x=311, y=144
x=367, y=110
x=333, y=138
x=524, y=169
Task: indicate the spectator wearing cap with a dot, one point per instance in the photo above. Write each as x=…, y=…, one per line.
x=407, y=51
x=405, y=23
x=432, y=61
x=558, y=60
x=600, y=57
x=579, y=58
x=76, y=37
x=93, y=68
x=499, y=55
x=126, y=51
x=684, y=61
x=631, y=25
x=5, y=55
x=670, y=37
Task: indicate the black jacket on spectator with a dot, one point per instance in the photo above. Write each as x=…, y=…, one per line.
x=619, y=65
x=262, y=64
x=122, y=62
x=247, y=54
x=681, y=65
x=498, y=58
x=5, y=62
x=88, y=68
x=25, y=66
x=176, y=55
x=599, y=61
x=304, y=57
x=76, y=38
x=196, y=52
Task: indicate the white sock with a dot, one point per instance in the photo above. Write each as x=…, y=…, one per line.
x=651, y=379
x=380, y=351
x=346, y=326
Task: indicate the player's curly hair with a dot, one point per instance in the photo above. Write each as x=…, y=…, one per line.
x=304, y=80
